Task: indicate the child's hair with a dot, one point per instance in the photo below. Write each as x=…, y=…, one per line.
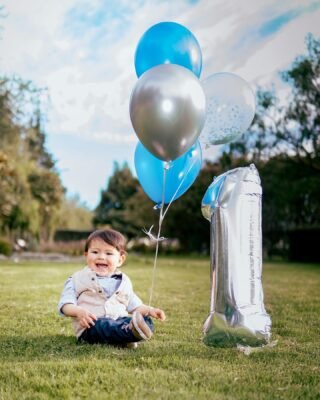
x=110, y=236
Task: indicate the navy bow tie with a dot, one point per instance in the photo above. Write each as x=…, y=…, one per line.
x=116, y=276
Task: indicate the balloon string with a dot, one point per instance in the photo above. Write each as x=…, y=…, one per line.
x=161, y=217
x=179, y=186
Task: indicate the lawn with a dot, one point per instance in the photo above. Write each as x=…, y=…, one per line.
x=40, y=358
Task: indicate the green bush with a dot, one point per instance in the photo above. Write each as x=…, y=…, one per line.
x=5, y=247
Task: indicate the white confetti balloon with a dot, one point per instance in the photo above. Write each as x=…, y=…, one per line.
x=230, y=108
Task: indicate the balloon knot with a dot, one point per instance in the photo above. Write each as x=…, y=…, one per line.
x=151, y=236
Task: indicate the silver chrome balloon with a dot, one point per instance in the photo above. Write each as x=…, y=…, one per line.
x=167, y=110
x=232, y=204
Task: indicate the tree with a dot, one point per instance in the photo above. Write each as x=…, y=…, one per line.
x=112, y=207
x=74, y=215
x=290, y=128
x=46, y=188
x=31, y=188
x=140, y=213
x=301, y=123
x=8, y=183
x=284, y=143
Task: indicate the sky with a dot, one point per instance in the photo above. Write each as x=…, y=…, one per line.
x=82, y=51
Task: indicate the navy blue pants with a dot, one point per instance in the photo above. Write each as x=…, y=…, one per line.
x=110, y=331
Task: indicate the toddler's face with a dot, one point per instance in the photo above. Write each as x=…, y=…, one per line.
x=103, y=258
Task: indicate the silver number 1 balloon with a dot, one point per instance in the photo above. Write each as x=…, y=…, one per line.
x=232, y=203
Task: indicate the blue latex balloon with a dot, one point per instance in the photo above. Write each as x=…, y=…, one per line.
x=150, y=169
x=168, y=43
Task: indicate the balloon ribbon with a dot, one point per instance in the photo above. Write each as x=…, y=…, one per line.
x=158, y=238
x=162, y=214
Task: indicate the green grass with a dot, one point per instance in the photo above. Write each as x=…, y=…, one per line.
x=40, y=358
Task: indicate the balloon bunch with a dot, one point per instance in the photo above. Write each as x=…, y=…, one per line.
x=167, y=106
x=167, y=111
x=170, y=107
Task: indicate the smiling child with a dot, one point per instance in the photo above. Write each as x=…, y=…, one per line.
x=99, y=298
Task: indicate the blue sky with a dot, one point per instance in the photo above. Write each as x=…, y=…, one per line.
x=83, y=52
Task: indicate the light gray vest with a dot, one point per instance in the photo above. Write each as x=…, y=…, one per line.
x=91, y=296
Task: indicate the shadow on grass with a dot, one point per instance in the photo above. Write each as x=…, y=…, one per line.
x=19, y=348
x=62, y=348
x=49, y=348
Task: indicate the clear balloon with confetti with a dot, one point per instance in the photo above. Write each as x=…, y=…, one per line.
x=230, y=108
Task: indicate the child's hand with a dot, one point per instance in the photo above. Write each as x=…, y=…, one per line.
x=157, y=313
x=85, y=318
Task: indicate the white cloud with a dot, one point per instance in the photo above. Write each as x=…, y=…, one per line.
x=85, y=92
x=28, y=34
x=278, y=53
